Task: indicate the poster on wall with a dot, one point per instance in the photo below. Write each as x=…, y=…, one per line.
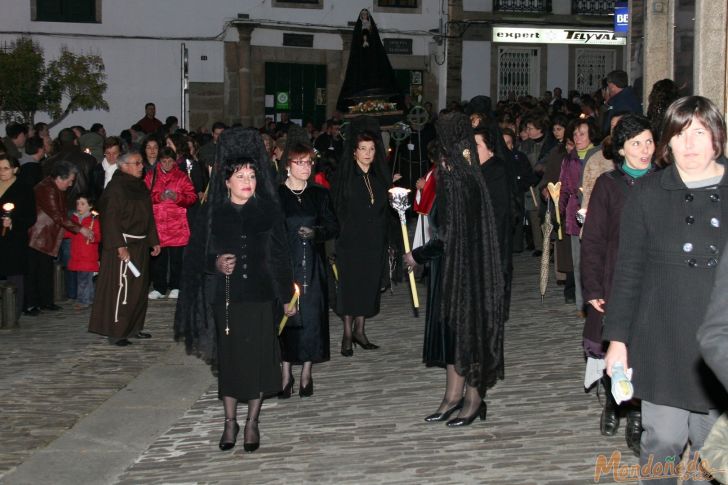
x=282, y=99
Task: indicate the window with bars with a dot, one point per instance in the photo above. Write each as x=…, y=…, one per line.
x=592, y=7
x=525, y=6
x=299, y=3
x=77, y=11
x=397, y=3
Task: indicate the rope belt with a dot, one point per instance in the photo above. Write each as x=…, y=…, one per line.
x=123, y=281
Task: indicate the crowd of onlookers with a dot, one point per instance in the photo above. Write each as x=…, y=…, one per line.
x=566, y=163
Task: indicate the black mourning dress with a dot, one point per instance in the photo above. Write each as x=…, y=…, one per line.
x=439, y=343
x=248, y=356
x=362, y=245
x=306, y=335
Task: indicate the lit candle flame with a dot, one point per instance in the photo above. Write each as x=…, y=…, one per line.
x=294, y=300
x=7, y=209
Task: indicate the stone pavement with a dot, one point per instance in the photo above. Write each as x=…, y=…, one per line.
x=363, y=424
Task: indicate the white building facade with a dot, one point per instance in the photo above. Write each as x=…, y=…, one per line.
x=240, y=53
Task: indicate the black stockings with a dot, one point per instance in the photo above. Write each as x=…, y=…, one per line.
x=251, y=425
x=454, y=388
x=288, y=373
x=252, y=435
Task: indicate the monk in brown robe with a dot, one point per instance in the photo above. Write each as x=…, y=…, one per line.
x=127, y=225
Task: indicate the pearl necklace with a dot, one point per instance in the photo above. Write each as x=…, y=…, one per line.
x=299, y=192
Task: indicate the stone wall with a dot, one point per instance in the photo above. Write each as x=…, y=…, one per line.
x=206, y=104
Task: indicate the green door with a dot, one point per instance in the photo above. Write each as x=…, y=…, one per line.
x=305, y=85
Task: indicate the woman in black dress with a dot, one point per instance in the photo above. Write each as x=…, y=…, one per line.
x=466, y=310
x=15, y=225
x=237, y=269
x=310, y=221
x=362, y=207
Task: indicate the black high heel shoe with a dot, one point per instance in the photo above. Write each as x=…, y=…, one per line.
x=288, y=390
x=347, y=351
x=436, y=417
x=366, y=345
x=307, y=390
x=458, y=422
x=251, y=447
x=227, y=445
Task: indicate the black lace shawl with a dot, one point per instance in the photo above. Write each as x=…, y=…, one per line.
x=193, y=320
x=472, y=280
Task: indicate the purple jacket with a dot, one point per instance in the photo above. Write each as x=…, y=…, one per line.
x=570, y=197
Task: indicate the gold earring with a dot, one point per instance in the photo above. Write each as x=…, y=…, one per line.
x=228, y=193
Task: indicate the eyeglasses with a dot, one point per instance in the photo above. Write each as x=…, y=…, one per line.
x=136, y=164
x=303, y=162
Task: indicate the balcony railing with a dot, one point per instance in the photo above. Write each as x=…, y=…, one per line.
x=592, y=7
x=522, y=6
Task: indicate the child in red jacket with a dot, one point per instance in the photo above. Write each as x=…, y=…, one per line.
x=85, y=252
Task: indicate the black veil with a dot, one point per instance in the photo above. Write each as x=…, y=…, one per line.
x=346, y=169
x=193, y=320
x=472, y=281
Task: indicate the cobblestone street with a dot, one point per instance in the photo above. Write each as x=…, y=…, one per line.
x=65, y=392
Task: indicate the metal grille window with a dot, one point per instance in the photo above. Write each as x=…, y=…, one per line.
x=65, y=11
x=592, y=7
x=397, y=3
x=312, y=4
x=534, y=6
x=592, y=66
x=517, y=72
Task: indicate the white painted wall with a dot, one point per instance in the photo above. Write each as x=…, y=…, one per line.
x=557, y=69
x=476, y=69
x=141, y=70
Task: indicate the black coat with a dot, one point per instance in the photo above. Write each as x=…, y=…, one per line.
x=713, y=334
x=599, y=245
x=669, y=247
x=306, y=335
x=255, y=233
x=438, y=345
x=361, y=248
x=14, y=243
x=500, y=188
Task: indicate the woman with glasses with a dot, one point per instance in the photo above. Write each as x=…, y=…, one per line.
x=310, y=222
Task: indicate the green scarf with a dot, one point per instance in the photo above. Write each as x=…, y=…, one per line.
x=634, y=173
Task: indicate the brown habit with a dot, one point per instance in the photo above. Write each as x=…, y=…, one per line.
x=120, y=305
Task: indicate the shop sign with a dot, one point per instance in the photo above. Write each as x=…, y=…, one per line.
x=526, y=35
x=621, y=18
x=398, y=46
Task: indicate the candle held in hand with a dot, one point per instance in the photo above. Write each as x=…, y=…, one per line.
x=293, y=301
x=93, y=219
x=8, y=208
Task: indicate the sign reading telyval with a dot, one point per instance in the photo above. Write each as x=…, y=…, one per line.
x=556, y=36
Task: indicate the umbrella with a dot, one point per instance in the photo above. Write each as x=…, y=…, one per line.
x=547, y=227
x=554, y=191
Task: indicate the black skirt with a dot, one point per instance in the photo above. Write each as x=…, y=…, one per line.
x=248, y=356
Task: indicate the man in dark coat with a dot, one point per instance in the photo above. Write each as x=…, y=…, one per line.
x=70, y=151
x=621, y=98
x=127, y=225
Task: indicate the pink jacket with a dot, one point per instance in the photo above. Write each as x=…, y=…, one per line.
x=171, y=215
